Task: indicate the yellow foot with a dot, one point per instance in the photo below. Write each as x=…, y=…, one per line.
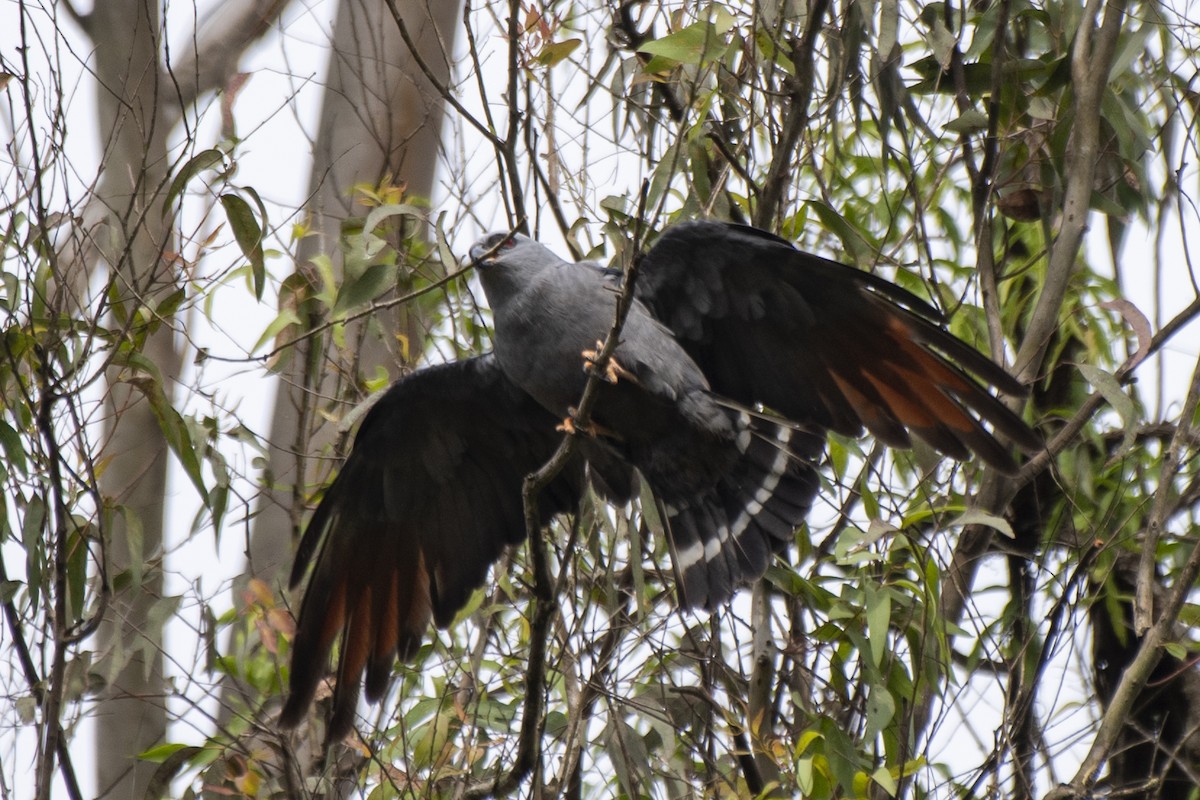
x=612, y=370
x=568, y=425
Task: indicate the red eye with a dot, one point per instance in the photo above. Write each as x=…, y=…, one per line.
x=507, y=244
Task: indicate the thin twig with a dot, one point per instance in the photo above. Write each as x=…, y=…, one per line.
x=443, y=90
x=1090, y=67
x=982, y=188
x=779, y=173
x=53, y=741
x=529, y=739
x=1143, y=598
x=1133, y=680
x=1022, y=705
x=37, y=687
x=369, y=310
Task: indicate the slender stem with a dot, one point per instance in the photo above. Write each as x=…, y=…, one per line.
x=1133, y=681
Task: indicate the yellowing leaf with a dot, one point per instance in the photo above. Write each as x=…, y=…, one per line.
x=555, y=52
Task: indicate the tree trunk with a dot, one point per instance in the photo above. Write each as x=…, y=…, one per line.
x=131, y=716
x=139, y=105
x=380, y=120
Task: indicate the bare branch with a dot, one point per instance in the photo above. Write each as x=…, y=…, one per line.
x=1149, y=651
x=1090, y=66
x=1172, y=460
x=1090, y=70
x=62, y=750
x=795, y=118
x=529, y=740
x=435, y=80
x=220, y=39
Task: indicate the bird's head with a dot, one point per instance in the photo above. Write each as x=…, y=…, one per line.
x=491, y=248
x=509, y=263
x=511, y=251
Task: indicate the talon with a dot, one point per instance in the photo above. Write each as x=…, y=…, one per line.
x=612, y=370
x=568, y=423
x=618, y=371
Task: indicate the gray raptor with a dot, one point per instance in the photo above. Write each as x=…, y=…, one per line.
x=736, y=357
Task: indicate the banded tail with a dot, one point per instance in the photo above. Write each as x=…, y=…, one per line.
x=725, y=537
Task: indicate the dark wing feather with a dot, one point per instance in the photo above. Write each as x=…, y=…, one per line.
x=823, y=343
x=427, y=500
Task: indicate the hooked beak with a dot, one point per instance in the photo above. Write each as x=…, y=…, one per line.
x=481, y=255
x=487, y=250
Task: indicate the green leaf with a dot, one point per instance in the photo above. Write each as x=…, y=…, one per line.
x=639, y=574
x=14, y=453
x=449, y=262
x=842, y=754
x=218, y=504
x=167, y=307
x=160, y=753
x=433, y=737
x=884, y=778
x=286, y=317
x=629, y=755
x=33, y=536
x=1130, y=46
x=171, y=758
x=879, y=618
x=77, y=569
x=1189, y=615
x=248, y=233
x=970, y=121
x=881, y=709
x=869, y=500
x=854, y=241
x=692, y=45
x=374, y=281
x=12, y=291
x=889, y=26
x=381, y=213
x=804, y=775
x=1177, y=651
x=135, y=539
x=1116, y=396
x=26, y=708
x=148, y=381
x=8, y=590
x=942, y=41
x=977, y=516
x=252, y=193
x=198, y=163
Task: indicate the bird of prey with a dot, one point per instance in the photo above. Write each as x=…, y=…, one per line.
x=738, y=353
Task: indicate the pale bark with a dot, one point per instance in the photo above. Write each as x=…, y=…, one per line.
x=139, y=103
x=381, y=119
x=223, y=34
x=130, y=716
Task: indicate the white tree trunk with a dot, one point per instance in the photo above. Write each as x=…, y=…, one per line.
x=380, y=118
x=138, y=106
x=130, y=715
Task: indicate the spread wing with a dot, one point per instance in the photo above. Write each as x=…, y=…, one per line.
x=823, y=343
x=428, y=498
